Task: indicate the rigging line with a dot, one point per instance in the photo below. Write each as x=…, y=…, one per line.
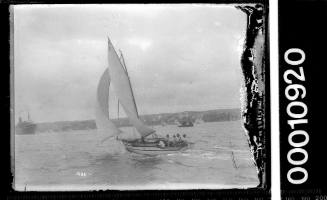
x=106, y=138
x=123, y=61
x=129, y=80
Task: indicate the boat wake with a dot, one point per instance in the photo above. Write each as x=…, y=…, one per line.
x=112, y=146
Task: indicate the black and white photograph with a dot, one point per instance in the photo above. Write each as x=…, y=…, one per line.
x=139, y=97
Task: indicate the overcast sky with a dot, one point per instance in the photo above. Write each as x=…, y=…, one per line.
x=179, y=57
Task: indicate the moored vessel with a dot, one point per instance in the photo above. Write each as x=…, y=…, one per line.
x=25, y=127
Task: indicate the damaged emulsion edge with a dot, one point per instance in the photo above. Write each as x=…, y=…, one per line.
x=12, y=96
x=253, y=64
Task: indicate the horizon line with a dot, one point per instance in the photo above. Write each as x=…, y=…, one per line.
x=139, y=115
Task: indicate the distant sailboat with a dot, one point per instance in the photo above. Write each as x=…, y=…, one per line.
x=139, y=141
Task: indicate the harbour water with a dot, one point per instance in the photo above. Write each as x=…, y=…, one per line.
x=82, y=160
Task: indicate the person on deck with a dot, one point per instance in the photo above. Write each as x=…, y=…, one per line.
x=179, y=139
x=162, y=144
x=184, y=137
x=174, y=140
x=167, y=139
x=183, y=140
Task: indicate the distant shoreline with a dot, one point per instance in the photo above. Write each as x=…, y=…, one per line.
x=163, y=119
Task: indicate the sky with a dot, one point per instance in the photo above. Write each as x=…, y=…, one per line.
x=179, y=57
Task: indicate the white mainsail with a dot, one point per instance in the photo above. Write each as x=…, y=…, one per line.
x=123, y=90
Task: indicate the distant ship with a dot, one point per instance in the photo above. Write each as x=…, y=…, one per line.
x=26, y=127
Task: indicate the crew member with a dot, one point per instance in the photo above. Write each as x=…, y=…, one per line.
x=167, y=138
x=179, y=139
x=174, y=140
x=162, y=144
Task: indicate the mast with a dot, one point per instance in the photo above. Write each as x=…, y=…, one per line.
x=129, y=80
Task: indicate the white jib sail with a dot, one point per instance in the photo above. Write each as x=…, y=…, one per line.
x=123, y=90
x=104, y=124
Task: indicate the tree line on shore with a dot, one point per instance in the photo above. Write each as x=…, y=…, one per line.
x=152, y=120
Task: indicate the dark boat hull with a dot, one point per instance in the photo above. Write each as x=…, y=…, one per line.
x=186, y=124
x=153, y=149
x=25, y=128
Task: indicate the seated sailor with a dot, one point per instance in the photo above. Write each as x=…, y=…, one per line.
x=179, y=139
x=174, y=140
x=167, y=140
x=161, y=144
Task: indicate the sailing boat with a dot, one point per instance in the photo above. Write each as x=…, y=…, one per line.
x=142, y=141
